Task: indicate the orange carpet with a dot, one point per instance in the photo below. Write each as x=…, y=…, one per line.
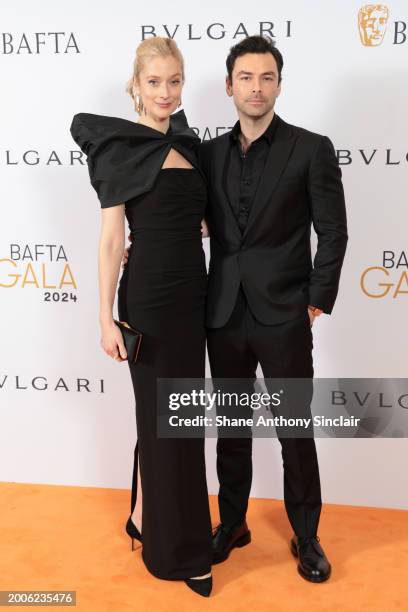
x=73, y=538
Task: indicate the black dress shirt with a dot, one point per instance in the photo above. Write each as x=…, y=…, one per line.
x=243, y=170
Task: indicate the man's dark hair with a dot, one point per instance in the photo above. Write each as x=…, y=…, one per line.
x=254, y=44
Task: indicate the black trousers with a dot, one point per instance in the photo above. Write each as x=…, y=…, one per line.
x=283, y=351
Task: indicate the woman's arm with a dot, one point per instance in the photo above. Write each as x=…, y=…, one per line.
x=111, y=244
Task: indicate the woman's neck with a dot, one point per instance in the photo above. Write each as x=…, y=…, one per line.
x=161, y=125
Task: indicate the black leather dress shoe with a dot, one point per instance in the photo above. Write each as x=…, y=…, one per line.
x=313, y=564
x=226, y=538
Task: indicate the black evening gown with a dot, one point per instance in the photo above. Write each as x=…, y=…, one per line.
x=162, y=293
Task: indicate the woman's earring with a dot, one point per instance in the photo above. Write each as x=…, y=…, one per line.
x=138, y=104
x=180, y=103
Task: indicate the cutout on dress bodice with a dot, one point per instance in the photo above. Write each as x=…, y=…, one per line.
x=175, y=160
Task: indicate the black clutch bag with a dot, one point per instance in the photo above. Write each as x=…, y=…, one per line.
x=131, y=338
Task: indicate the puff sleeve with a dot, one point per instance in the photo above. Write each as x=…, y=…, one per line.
x=80, y=133
x=92, y=134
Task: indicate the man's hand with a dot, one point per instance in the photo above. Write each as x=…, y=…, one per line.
x=313, y=313
x=126, y=253
x=204, y=229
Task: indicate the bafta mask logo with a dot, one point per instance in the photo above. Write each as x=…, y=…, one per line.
x=372, y=23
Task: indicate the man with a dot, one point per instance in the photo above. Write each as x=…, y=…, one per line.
x=268, y=182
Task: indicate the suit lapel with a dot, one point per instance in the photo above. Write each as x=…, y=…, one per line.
x=278, y=156
x=219, y=182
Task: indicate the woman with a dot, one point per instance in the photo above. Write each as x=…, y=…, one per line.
x=148, y=172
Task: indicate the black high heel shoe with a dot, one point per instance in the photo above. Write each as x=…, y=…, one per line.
x=202, y=586
x=133, y=531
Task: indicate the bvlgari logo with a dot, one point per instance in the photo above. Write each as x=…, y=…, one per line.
x=39, y=266
x=34, y=43
x=390, y=279
x=372, y=26
x=26, y=382
x=34, y=157
x=371, y=157
x=216, y=31
x=372, y=23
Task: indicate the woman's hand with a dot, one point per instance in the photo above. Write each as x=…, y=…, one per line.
x=112, y=341
x=204, y=229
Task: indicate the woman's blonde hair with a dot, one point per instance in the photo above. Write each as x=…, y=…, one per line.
x=157, y=46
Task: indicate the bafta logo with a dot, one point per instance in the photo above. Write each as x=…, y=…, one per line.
x=372, y=23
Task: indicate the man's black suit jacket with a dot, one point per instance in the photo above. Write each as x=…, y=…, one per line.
x=300, y=185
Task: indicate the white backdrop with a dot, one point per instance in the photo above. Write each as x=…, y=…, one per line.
x=67, y=409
